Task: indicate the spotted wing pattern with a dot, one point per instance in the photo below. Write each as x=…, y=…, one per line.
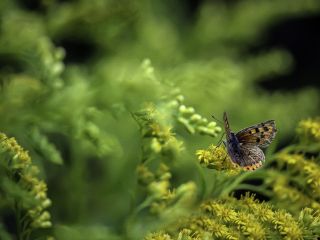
x=244, y=147
x=249, y=157
x=260, y=135
x=252, y=157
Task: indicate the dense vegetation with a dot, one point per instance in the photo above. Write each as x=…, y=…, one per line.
x=106, y=128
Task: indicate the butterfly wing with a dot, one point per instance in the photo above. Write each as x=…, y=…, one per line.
x=252, y=157
x=260, y=135
x=249, y=157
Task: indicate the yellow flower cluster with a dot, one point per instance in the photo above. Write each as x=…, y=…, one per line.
x=163, y=140
x=145, y=176
x=285, y=193
x=19, y=164
x=206, y=226
x=312, y=172
x=310, y=128
x=296, y=182
x=243, y=221
x=255, y=219
x=157, y=134
x=307, y=169
x=245, y=218
x=310, y=220
x=160, y=193
x=287, y=226
x=188, y=234
x=19, y=158
x=160, y=145
x=291, y=159
x=158, y=236
x=216, y=157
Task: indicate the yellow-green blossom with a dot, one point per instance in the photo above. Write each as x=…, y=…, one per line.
x=215, y=228
x=19, y=163
x=307, y=169
x=158, y=189
x=158, y=236
x=291, y=159
x=287, y=225
x=188, y=234
x=245, y=218
x=216, y=157
x=163, y=197
x=284, y=193
x=145, y=176
x=310, y=128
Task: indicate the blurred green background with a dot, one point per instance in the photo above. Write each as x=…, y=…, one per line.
x=73, y=73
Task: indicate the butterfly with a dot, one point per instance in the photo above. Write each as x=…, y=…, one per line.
x=245, y=147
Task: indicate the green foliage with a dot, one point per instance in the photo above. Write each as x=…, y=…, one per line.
x=24, y=192
x=112, y=100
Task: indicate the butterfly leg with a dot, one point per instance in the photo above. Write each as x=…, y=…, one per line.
x=220, y=140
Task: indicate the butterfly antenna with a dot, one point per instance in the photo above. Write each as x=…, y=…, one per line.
x=216, y=119
x=220, y=140
x=219, y=143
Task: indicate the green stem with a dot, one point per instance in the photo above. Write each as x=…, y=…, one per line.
x=26, y=230
x=245, y=176
x=233, y=185
x=218, y=181
x=26, y=234
x=203, y=182
x=18, y=222
x=146, y=203
x=259, y=189
x=131, y=219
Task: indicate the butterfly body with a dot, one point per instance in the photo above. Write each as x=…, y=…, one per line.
x=233, y=146
x=244, y=147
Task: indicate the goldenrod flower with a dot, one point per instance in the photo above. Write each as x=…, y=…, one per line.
x=19, y=162
x=158, y=189
x=310, y=128
x=307, y=169
x=145, y=176
x=291, y=159
x=158, y=236
x=216, y=157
